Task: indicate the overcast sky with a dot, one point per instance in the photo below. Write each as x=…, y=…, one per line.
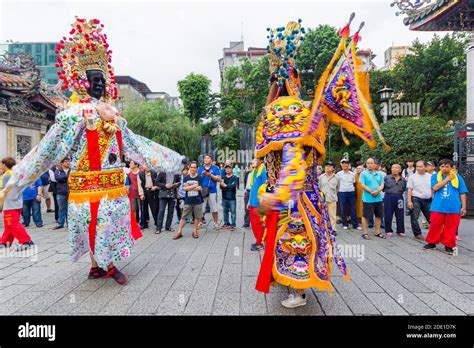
x=160, y=42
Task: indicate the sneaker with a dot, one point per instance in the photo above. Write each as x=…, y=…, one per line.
x=256, y=247
x=57, y=227
x=335, y=233
x=25, y=246
x=25, y=225
x=458, y=238
x=402, y=234
x=225, y=226
x=231, y=228
x=345, y=227
x=429, y=246
x=96, y=273
x=158, y=231
x=245, y=226
x=119, y=277
x=215, y=226
x=449, y=251
x=169, y=229
x=178, y=221
x=39, y=226
x=419, y=237
x=188, y=221
x=294, y=300
x=358, y=228
x=389, y=234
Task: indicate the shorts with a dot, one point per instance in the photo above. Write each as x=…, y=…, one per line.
x=369, y=209
x=190, y=209
x=212, y=201
x=46, y=192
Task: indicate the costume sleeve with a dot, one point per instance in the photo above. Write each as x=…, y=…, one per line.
x=291, y=176
x=55, y=145
x=143, y=150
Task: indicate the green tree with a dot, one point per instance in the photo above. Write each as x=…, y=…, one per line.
x=229, y=139
x=161, y=122
x=314, y=55
x=435, y=76
x=424, y=138
x=245, y=87
x=195, y=93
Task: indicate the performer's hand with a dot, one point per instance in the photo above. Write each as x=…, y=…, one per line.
x=142, y=198
x=463, y=211
x=38, y=198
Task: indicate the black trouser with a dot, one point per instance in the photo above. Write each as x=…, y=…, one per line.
x=179, y=211
x=247, y=211
x=419, y=204
x=56, y=207
x=151, y=200
x=164, y=202
x=393, y=204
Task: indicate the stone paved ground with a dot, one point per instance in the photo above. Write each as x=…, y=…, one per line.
x=215, y=275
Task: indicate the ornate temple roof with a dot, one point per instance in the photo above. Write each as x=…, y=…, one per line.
x=23, y=93
x=442, y=15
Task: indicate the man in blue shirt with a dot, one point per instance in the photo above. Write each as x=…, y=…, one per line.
x=372, y=182
x=32, y=202
x=211, y=175
x=258, y=177
x=447, y=206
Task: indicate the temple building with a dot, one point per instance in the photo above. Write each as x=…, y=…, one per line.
x=451, y=15
x=27, y=104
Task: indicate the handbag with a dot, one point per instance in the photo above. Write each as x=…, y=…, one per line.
x=205, y=190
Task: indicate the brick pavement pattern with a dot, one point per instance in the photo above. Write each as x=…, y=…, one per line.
x=216, y=274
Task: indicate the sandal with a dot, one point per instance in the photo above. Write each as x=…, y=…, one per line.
x=380, y=235
x=178, y=236
x=366, y=236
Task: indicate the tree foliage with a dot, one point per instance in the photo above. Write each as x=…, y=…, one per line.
x=245, y=88
x=315, y=53
x=162, y=123
x=195, y=93
x=423, y=138
x=435, y=76
x=229, y=139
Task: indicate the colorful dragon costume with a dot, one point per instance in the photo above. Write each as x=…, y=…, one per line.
x=300, y=242
x=96, y=139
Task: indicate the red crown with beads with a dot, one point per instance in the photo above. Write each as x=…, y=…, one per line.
x=86, y=49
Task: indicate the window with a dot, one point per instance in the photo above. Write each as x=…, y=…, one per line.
x=23, y=145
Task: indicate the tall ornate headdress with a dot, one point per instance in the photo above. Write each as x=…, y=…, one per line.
x=283, y=43
x=86, y=49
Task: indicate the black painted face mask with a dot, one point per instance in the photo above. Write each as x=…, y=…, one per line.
x=96, y=83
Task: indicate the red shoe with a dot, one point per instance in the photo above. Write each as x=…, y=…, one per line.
x=119, y=277
x=96, y=273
